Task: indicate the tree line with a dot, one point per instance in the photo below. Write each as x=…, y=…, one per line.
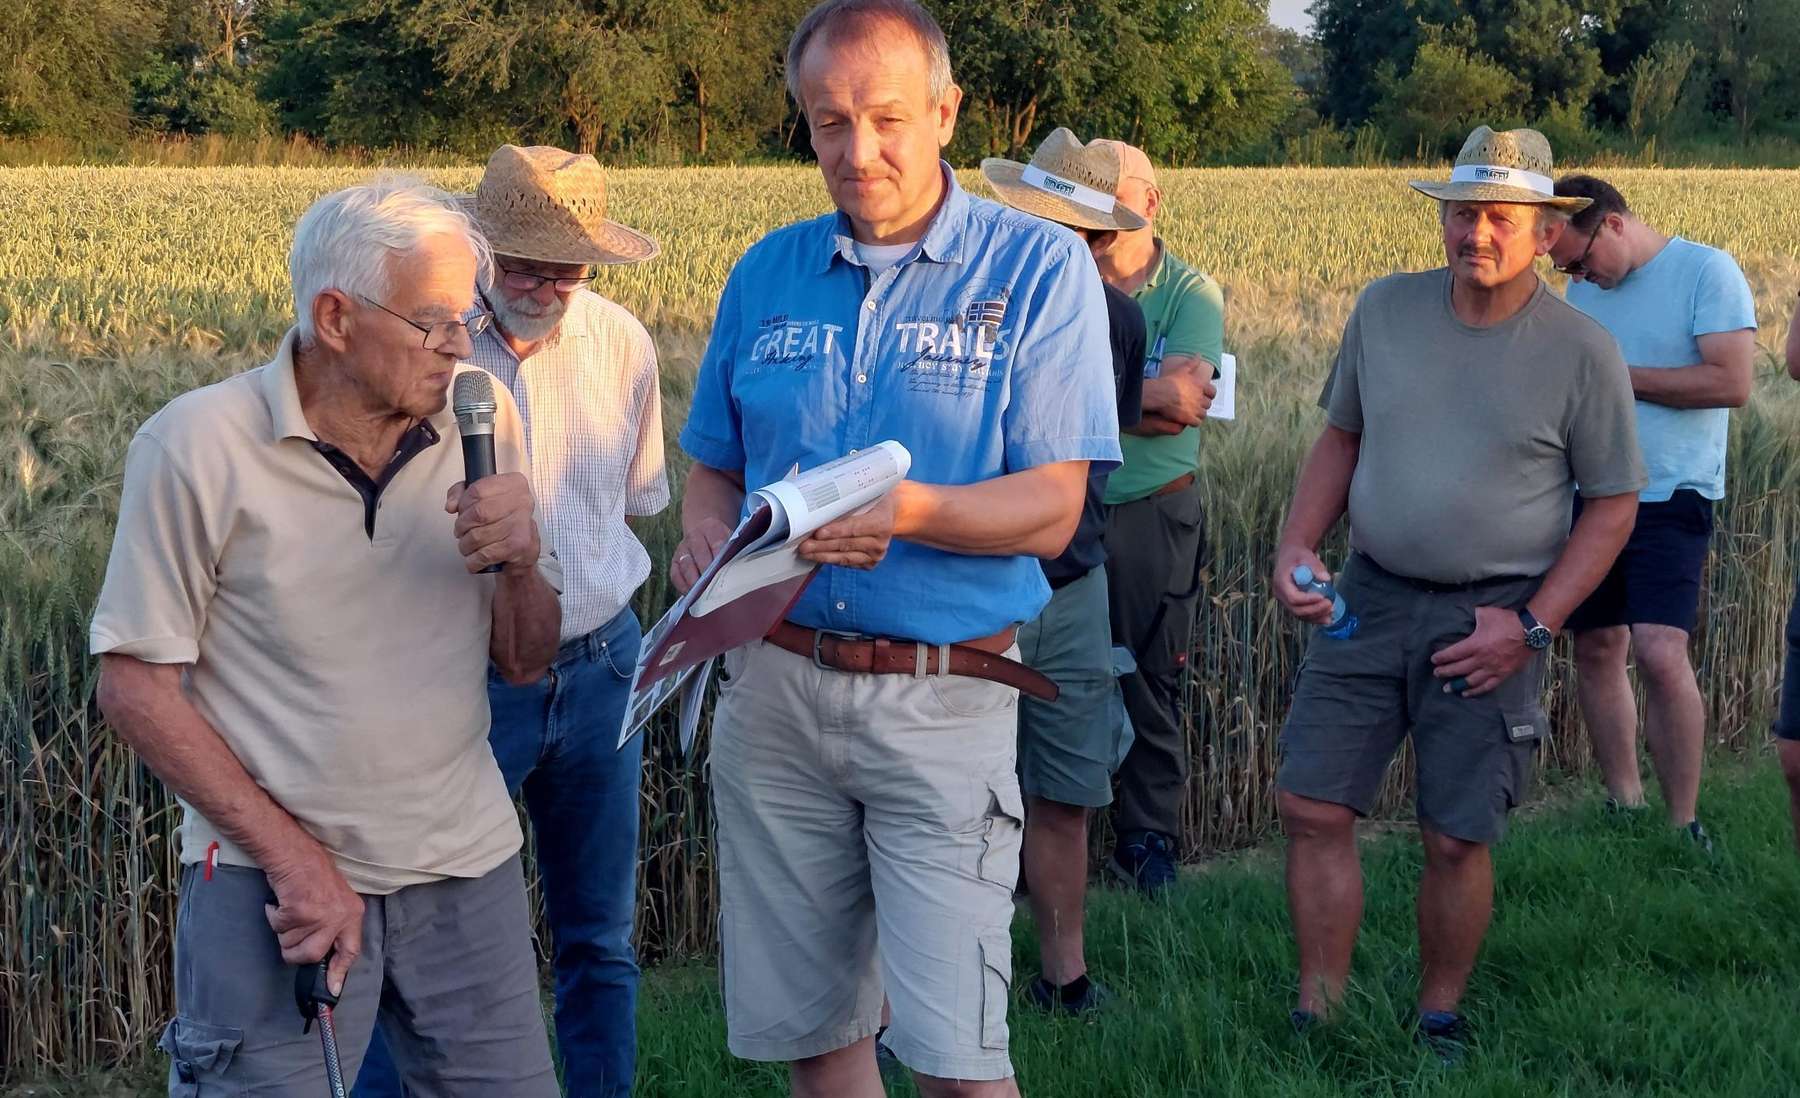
x=699, y=81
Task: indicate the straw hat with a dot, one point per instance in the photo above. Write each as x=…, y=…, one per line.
x=548, y=205
x=1066, y=182
x=1514, y=166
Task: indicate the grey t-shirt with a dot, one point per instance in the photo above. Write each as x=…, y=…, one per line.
x=1473, y=439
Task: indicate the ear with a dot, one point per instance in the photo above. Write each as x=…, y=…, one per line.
x=946, y=109
x=1550, y=232
x=1152, y=202
x=332, y=320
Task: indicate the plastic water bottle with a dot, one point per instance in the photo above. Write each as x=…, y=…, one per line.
x=1343, y=623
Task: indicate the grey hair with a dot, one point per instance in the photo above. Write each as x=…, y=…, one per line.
x=345, y=240
x=832, y=16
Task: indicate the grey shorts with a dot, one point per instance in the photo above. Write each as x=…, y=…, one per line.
x=1069, y=748
x=1357, y=699
x=447, y=971
x=868, y=832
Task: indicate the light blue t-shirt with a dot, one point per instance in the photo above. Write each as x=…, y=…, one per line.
x=983, y=351
x=1657, y=314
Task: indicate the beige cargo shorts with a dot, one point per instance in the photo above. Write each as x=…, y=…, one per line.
x=869, y=829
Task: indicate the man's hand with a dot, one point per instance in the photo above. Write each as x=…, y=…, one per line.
x=315, y=913
x=858, y=540
x=1308, y=606
x=1151, y=425
x=696, y=551
x=1182, y=393
x=493, y=521
x=1489, y=656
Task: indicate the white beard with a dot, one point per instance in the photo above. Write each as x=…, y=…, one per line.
x=527, y=327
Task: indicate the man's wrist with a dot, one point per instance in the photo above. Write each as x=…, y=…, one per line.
x=914, y=504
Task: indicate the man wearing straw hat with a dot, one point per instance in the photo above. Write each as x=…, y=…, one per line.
x=1465, y=405
x=1156, y=530
x=583, y=372
x=295, y=637
x=869, y=816
x=1069, y=748
x=1685, y=320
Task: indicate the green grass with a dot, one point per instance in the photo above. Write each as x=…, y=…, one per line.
x=1621, y=962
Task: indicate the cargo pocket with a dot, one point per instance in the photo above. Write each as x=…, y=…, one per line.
x=996, y=987
x=1524, y=725
x=1003, y=835
x=199, y=1054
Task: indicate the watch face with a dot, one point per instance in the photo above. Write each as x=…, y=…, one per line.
x=1538, y=638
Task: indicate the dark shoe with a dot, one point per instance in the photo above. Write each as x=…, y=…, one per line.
x=1079, y=996
x=1303, y=1021
x=1700, y=837
x=1144, y=860
x=1445, y=1034
x=1624, y=811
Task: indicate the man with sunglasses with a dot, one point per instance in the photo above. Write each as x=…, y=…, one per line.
x=294, y=632
x=1686, y=321
x=584, y=374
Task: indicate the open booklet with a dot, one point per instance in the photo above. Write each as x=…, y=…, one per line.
x=755, y=578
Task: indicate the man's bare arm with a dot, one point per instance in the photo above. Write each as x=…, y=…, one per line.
x=1599, y=534
x=317, y=910
x=1031, y=513
x=527, y=625
x=1793, y=344
x=1720, y=380
x=1321, y=496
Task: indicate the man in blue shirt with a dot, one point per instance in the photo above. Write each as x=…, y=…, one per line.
x=857, y=807
x=1686, y=321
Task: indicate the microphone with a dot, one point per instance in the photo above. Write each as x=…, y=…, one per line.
x=473, y=403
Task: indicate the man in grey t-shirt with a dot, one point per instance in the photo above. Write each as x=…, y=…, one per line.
x=1464, y=406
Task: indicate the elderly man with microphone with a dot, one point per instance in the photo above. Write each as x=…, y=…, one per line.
x=295, y=629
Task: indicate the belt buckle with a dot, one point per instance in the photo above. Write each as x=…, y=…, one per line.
x=819, y=636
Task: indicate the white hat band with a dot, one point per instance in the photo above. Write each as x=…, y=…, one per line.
x=1512, y=177
x=1068, y=188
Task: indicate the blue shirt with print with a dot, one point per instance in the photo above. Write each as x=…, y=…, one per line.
x=984, y=352
x=1657, y=314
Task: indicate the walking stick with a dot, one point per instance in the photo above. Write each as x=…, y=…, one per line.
x=314, y=998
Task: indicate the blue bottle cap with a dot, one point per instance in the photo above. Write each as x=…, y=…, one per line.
x=1303, y=575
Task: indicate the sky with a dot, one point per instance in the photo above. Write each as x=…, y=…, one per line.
x=1290, y=14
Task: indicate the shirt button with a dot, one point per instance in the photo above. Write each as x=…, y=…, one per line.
x=840, y=606
x=862, y=378
x=869, y=305
x=853, y=450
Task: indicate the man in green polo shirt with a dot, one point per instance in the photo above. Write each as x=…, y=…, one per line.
x=1155, y=528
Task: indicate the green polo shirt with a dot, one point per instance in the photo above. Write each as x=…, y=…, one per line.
x=1186, y=310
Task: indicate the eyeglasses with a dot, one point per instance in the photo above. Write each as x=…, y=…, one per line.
x=1580, y=265
x=528, y=282
x=439, y=335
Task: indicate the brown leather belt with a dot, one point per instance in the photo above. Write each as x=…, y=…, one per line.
x=981, y=658
x=1176, y=485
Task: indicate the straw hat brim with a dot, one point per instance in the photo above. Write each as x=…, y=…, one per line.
x=1497, y=192
x=1006, y=177
x=611, y=243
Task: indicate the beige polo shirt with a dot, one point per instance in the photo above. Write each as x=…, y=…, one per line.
x=347, y=670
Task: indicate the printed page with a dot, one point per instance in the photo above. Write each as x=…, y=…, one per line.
x=801, y=504
x=1224, y=405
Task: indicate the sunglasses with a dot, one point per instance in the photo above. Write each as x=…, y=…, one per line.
x=1580, y=264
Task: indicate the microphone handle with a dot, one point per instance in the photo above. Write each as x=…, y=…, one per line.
x=478, y=462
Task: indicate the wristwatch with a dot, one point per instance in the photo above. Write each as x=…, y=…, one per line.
x=1537, y=634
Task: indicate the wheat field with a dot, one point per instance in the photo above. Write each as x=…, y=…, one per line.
x=120, y=288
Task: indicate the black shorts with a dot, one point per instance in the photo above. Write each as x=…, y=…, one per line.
x=1787, y=723
x=1656, y=580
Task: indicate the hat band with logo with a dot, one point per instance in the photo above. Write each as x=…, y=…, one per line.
x=1034, y=176
x=1511, y=177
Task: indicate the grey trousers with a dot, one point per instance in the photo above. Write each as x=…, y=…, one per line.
x=1151, y=547
x=447, y=971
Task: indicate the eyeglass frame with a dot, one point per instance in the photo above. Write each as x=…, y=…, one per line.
x=1579, y=267
x=576, y=282
x=472, y=326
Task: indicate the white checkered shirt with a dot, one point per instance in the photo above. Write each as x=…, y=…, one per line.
x=593, y=422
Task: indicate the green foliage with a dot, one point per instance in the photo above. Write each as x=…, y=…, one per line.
x=67, y=67
x=1446, y=92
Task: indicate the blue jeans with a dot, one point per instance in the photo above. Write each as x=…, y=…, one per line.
x=555, y=740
